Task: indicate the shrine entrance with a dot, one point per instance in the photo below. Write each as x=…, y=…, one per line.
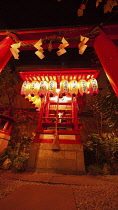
x=58, y=96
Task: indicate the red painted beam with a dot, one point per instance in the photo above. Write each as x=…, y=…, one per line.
x=29, y=37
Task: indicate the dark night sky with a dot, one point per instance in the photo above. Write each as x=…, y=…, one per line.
x=49, y=13
x=22, y=14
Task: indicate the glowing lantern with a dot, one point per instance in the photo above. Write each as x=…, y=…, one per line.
x=43, y=88
x=52, y=86
x=93, y=86
x=34, y=88
x=73, y=87
x=64, y=87
x=33, y=99
x=25, y=88
x=82, y=86
x=37, y=103
x=29, y=97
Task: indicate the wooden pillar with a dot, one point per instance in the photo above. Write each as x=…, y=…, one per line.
x=108, y=54
x=47, y=110
x=5, y=53
x=6, y=126
x=75, y=112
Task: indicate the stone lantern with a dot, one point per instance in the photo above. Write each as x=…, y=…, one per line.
x=6, y=122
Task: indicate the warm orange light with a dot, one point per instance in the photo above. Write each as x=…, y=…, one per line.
x=70, y=77
x=88, y=76
x=52, y=86
x=29, y=97
x=50, y=77
x=30, y=78
x=65, y=99
x=64, y=87
x=42, y=77
x=38, y=78
x=37, y=103
x=33, y=99
x=34, y=87
x=82, y=84
x=66, y=77
x=73, y=87
x=46, y=78
x=43, y=88
x=25, y=88
x=57, y=90
x=26, y=78
x=79, y=77
x=54, y=77
x=92, y=86
x=55, y=98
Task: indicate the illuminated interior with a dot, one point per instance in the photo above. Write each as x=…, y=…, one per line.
x=58, y=96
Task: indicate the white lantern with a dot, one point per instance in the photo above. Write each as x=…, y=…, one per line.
x=29, y=97
x=52, y=86
x=37, y=102
x=34, y=88
x=82, y=84
x=33, y=99
x=25, y=89
x=93, y=86
x=73, y=87
x=43, y=88
x=64, y=87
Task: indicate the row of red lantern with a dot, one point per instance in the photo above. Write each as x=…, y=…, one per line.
x=73, y=87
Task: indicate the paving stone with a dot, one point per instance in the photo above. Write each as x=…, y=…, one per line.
x=40, y=197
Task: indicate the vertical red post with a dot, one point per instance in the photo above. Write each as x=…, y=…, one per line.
x=108, y=54
x=5, y=53
x=47, y=110
x=75, y=113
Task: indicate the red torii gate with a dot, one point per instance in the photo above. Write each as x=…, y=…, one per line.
x=104, y=45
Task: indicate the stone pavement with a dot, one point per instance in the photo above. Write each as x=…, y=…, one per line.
x=47, y=191
x=58, y=178
x=39, y=197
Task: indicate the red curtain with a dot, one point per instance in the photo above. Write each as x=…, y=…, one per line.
x=5, y=53
x=108, y=55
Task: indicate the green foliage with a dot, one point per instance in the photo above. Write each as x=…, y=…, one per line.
x=10, y=84
x=2, y=159
x=106, y=108
x=17, y=162
x=20, y=163
x=95, y=170
x=104, y=150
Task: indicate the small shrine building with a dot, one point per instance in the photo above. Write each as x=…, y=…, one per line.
x=58, y=94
